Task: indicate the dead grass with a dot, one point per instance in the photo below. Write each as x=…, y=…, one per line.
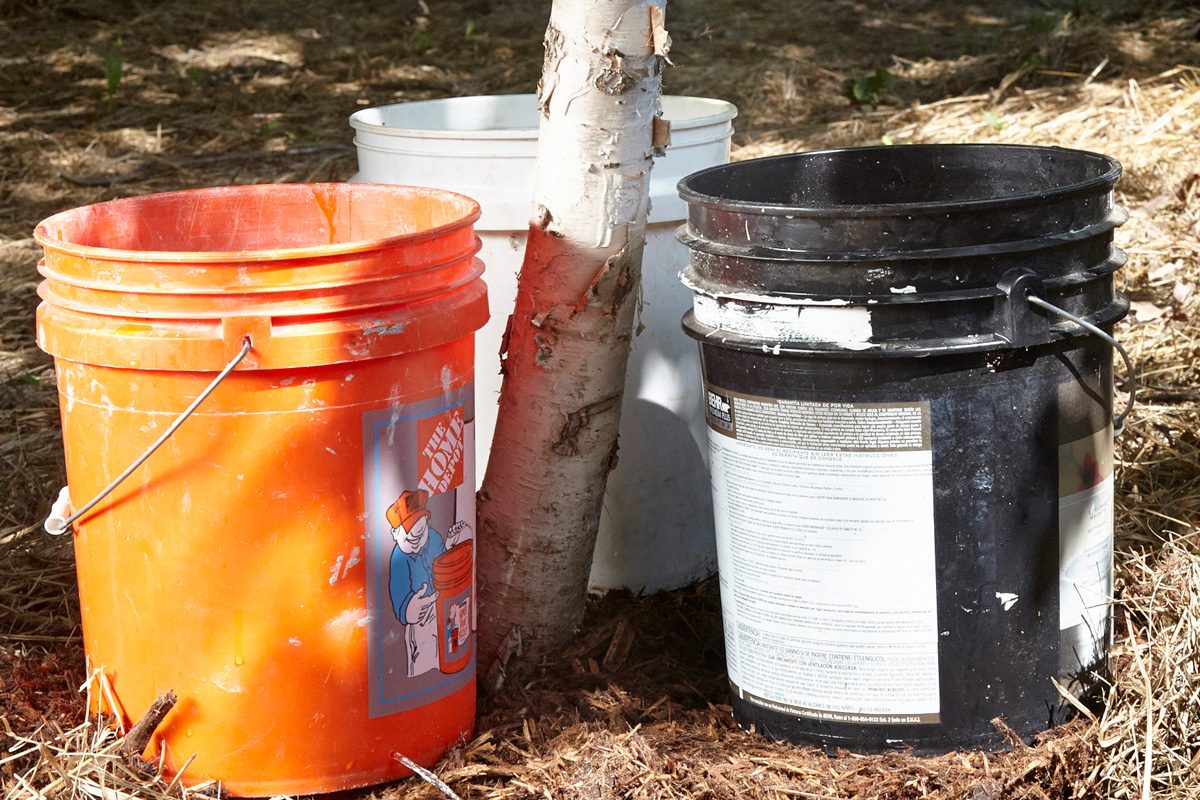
x=86, y=761
x=637, y=707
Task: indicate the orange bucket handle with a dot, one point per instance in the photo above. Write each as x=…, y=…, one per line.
x=61, y=517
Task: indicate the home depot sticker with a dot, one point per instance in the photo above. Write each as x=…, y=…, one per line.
x=418, y=508
x=441, y=460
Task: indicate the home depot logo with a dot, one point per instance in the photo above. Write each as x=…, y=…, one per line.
x=441, y=458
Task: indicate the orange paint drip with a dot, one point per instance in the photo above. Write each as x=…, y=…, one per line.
x=239, y=655
x=327, y=202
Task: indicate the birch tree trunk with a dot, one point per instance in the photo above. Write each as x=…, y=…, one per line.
x=568, y=339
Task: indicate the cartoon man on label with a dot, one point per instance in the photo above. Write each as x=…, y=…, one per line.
x=414, y=599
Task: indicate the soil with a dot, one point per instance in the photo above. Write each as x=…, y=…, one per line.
x=108, y=98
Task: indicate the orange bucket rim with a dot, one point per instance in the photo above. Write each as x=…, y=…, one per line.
x=459, y=551
x=455, y=560
x=42, y=233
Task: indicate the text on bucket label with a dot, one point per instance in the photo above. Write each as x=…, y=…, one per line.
x=825, y=545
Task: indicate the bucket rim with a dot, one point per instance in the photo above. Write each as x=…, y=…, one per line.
x=42, y=232
x=723, y=111
x=686, y=236
x=1108, y=178
x=358, y=122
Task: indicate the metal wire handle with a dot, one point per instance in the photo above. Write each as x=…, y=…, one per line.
x=1130, y=373
x=55, y=525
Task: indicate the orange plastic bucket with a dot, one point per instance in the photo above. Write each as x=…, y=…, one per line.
x=453, y=578
x=267, y=562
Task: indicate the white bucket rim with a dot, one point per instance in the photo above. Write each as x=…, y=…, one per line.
x=705, y=111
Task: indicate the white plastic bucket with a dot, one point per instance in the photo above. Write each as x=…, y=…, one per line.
x=656, y=526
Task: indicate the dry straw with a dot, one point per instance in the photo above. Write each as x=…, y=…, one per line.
x=86, y=761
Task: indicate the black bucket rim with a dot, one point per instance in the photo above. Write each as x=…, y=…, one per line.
x=1105, y=181
x=685, y=235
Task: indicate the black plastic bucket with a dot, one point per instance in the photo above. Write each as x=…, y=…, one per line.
x=911, y=445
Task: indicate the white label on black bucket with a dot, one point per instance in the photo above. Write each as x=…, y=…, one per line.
x=824, y=517
x=1085, y=524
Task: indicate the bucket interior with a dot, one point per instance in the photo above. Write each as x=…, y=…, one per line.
x=913, y=175
x=262, y=219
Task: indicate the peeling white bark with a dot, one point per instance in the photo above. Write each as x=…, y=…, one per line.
x=568, y=340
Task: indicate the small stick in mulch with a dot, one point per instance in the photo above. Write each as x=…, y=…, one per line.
x=427, y=776
x=139, y=735
x=1014, y=739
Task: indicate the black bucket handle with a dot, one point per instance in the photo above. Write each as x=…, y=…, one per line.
x=1130, y=372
